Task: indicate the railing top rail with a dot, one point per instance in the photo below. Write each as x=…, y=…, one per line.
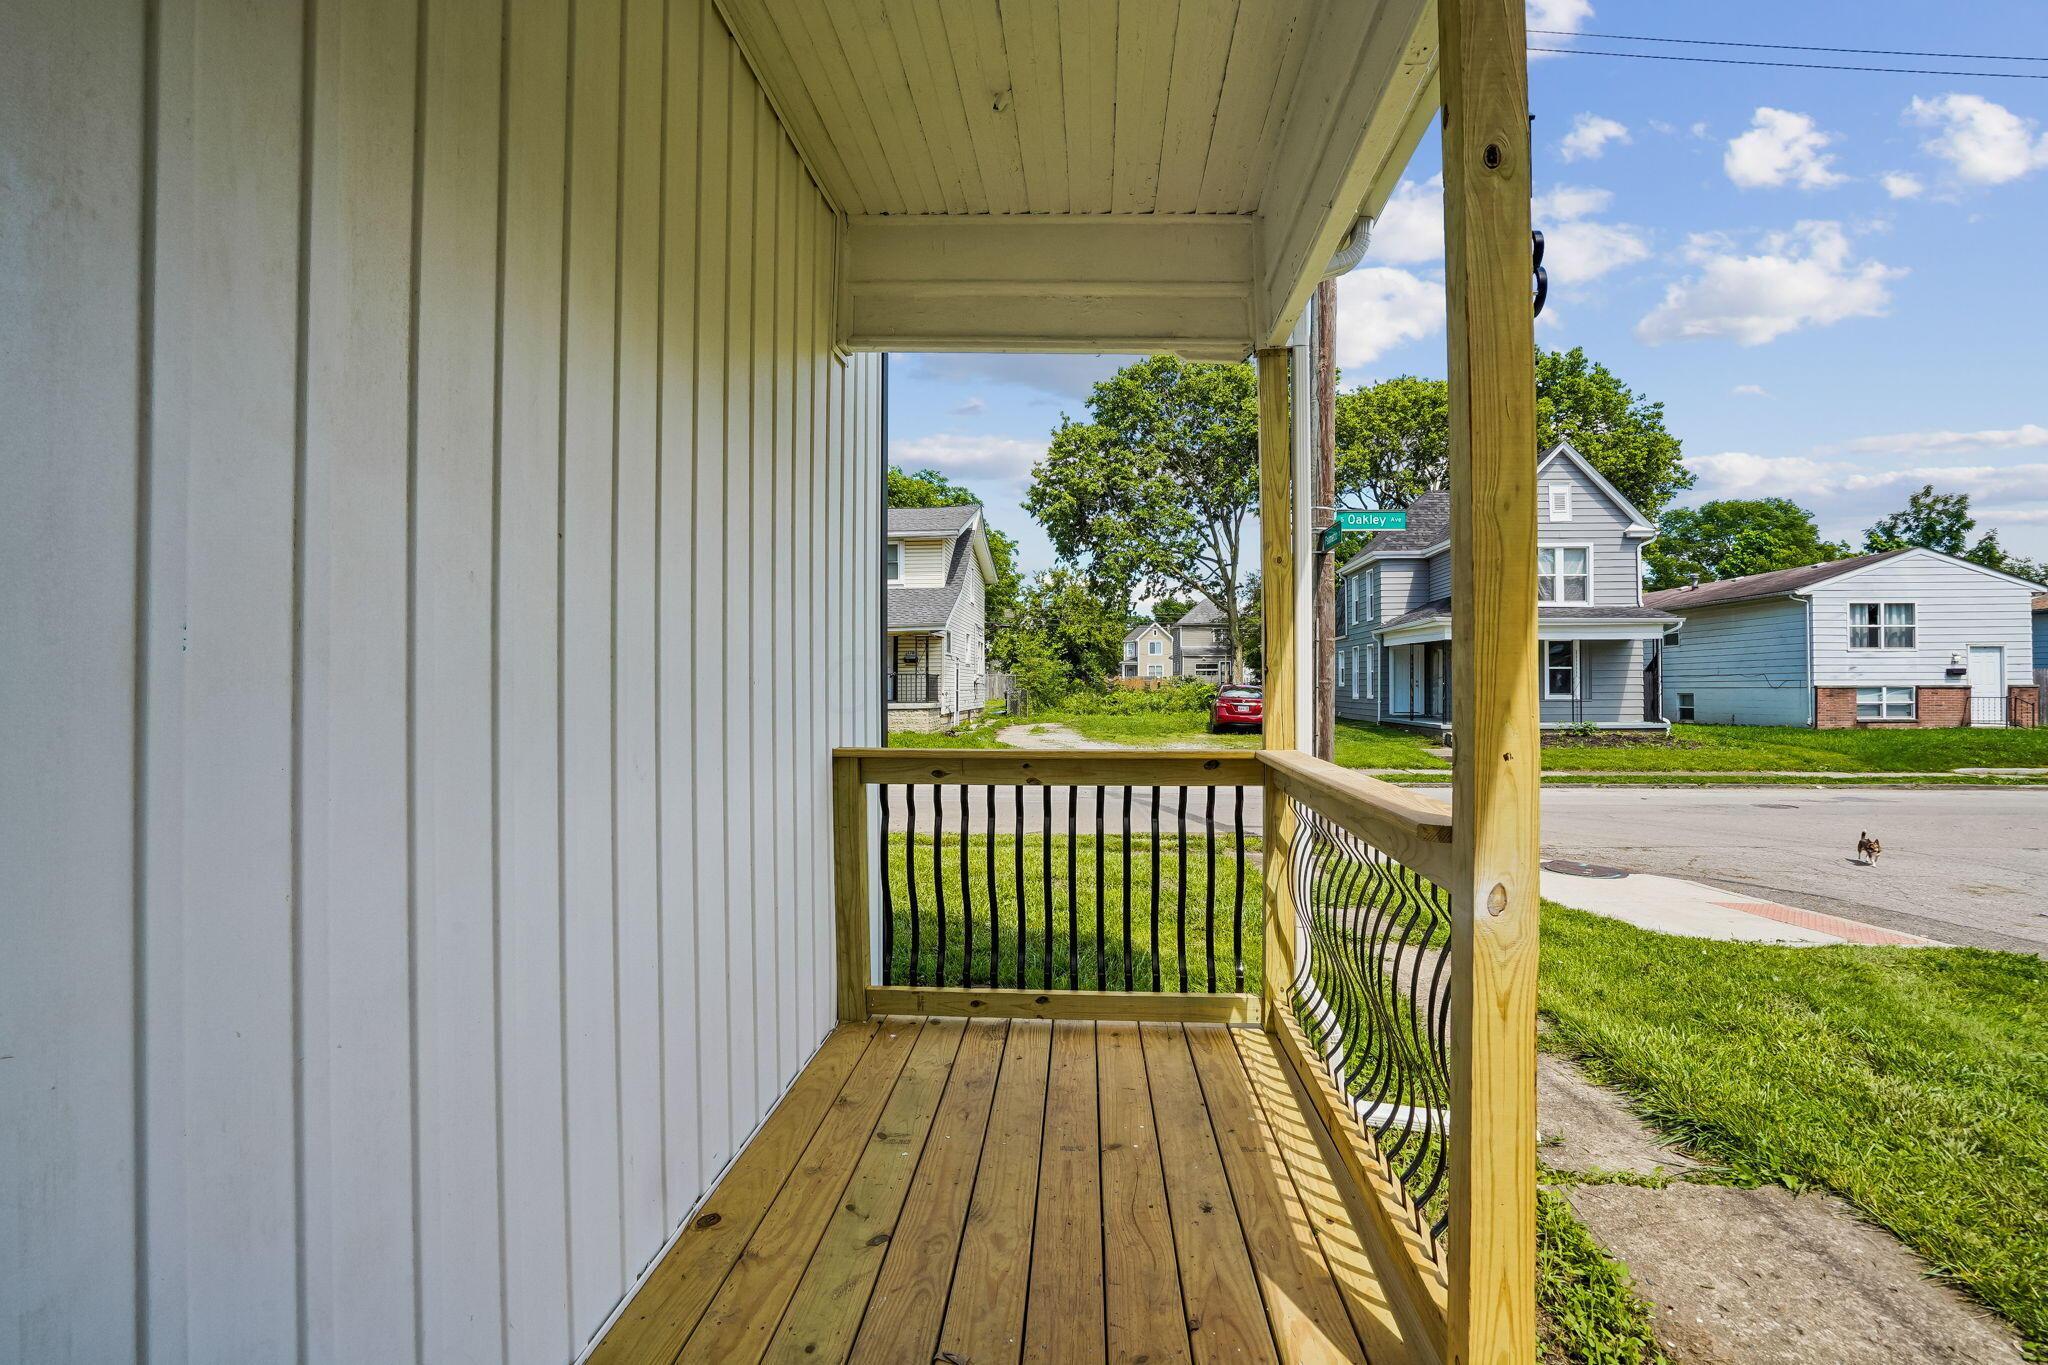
x=1406, y=824
x=1053, y=768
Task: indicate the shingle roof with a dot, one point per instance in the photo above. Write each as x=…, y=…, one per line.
x=1441, y=610
x=938, y=521
x=1752, y=586
x=1203, y=613
x=1429, y=524
x=918, y=608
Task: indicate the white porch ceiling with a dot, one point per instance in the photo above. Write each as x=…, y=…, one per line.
x=1231, y=141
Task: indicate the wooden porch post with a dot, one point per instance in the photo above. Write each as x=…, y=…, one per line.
x=850, y=886
x=1276, y=559
x=1495, y=770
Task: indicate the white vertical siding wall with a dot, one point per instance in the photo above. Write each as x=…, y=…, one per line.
x=1958, y=605
x=424, y=452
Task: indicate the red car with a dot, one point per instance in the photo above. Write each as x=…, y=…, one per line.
x=1237, y=708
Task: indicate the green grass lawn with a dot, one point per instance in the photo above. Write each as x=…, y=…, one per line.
x=1096, y=941
x=1913, y=1082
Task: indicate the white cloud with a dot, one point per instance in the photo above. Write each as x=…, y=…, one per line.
x=1902, y=185
x=1575, y=248
x=1781, y=148
x=1379, y=308
x=1566, y=16
x=973, y=407
x=1750, y=391
x=2026, y=436
x=967, y=457
x=1849, y=485
x=1589, y=137
x=1986, y=143
x=1701, y=130
x=1410, y=229
x=1803, y=278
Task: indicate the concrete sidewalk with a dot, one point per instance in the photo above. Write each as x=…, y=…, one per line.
x=1672, y=905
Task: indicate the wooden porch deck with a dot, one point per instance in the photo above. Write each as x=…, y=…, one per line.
x=976, y=1191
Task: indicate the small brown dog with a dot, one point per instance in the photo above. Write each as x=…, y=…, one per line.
x=1868, y=848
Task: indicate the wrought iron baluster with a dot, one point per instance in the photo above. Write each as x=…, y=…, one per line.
x=1155, y=888
x=1125, y=840
x=889, y=977
x=939, y=881
x=1180, y=888
x=995, y=918
x=1237, y=910
x=1017, y=852
x=1101, y=924
x=914, y=972
x=1073, y=894
x=966, y=901
x=1209, y=901
x=1045, y=868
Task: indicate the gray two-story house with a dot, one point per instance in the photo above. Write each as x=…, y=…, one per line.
x=1195, y=646
x=1600, y=644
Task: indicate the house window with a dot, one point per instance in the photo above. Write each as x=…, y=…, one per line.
x=1342, y=655
x=1372, y=670
x=1560, y=502
x=1155, y=670
x=1562, y=573
x=1350, y=602
x=1152, y=646
x=1883, y=625
x=1130, y=649
x=895, y=553
x=1560, y=670
x=1372, y=595
x=1685, y=706
x=1885, y=703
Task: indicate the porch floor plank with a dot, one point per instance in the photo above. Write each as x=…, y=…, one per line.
x=1005, y=1190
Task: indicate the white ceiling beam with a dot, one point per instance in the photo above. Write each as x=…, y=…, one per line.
x=1361, y=103
x=1100, y=283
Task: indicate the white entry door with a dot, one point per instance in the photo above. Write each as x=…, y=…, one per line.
x=1987, y=685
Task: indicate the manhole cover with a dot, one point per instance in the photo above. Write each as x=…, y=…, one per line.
x=1572, y=869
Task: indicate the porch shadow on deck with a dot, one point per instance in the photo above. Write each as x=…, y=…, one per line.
x=994, y=1190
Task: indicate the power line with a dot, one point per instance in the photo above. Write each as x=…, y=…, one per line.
x=1798, y=66
x=1789, y=47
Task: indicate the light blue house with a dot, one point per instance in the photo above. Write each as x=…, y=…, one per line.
x=2041, y=648
x=1903, y=638
x=1600, y=640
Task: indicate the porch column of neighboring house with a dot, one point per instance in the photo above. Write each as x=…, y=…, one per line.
x=1495, y=765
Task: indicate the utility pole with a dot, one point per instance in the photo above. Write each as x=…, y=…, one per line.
x=1325, y=726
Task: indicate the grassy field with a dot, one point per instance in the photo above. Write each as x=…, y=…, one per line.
x=1590, y=1313
x=1031, y=873
x=1913, y=1082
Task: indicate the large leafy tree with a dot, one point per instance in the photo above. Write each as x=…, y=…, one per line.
x=1942, y=522
x=1393, y=437
x=1077, y=622
x=1154, y=494
x=1734, y=537
x=930, y=488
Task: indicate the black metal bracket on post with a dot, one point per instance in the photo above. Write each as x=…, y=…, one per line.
x=1542, y=276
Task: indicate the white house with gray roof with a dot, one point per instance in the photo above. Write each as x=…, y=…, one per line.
x=1600, y=641
x=938, y=571
x=1195, y=646
x=1905, y=638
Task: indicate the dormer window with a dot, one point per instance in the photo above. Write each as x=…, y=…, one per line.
x=1560, y=502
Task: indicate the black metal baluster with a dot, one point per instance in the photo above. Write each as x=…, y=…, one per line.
x=1126, y=915
x=1237, y=913
x=1101, y=924
x=910, y=879
x=1209, y=905
x=1073, y=894
x=966, y=901
x=1155, y=888
x=995, y=918
x=1045, y=871
x=939, y=879
x=888, y=900
x=1017, y=849
x=1180, y=889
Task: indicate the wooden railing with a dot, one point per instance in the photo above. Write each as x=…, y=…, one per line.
x=1230, y=887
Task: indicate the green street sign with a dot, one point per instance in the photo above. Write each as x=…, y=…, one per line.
x=1371, y=521
x=1327, y=541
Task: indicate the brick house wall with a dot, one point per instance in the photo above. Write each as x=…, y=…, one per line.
x=2023, y=707
x=1937, y=708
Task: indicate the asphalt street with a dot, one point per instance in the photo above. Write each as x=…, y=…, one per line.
x=1960, y=866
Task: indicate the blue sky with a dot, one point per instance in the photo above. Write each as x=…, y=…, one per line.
x=1834, y=281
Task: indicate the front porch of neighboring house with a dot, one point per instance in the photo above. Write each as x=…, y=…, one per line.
x=925, y=687
x=471, y=912
x=1608, y=681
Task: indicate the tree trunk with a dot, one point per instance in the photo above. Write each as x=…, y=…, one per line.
x=1325, y=727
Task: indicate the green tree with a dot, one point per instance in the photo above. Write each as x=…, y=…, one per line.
x=1929, y=520
x=1168, y=610
x=1076, y=621
x=1251, y=626
x=1393, y=437
x=1154, y=494
x=1620, y=433
x=1733, y=537
x=930, y=488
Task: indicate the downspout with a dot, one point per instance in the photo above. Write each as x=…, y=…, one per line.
x=1812, y=683
x=882, y=548
x=1351, y=250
